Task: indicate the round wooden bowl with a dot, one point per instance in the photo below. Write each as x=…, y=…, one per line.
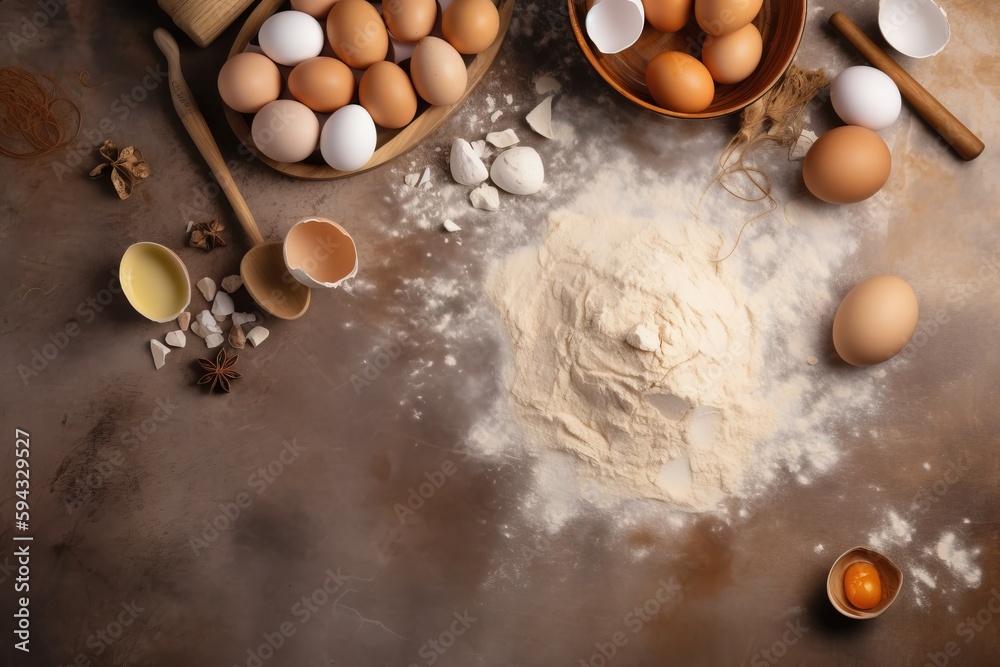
x=780, y=22
x=391, y=143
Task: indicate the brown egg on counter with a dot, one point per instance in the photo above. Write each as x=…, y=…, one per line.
x=471, y=25
x=735, y=56
x=357, y=33
x=322, y=84
x=875, y=321
x=388, y=96
x=667, y=15
x=409, y=20
x=848, y=164
x=318, y=9
x=679, y=82
x=248, y=81
x=722, y=17
x=438, y=71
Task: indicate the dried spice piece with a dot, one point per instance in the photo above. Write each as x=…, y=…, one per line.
x=127, y=167
x=207, y=235
x=219, y=372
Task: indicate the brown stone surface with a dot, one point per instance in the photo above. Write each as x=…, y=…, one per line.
x=129, y=464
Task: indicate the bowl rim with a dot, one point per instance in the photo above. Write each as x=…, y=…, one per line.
x=581, y=40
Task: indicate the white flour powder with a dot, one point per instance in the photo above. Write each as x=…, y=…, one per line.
x=678, y=423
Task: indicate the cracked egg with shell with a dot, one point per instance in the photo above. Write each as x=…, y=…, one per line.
x=320, y=253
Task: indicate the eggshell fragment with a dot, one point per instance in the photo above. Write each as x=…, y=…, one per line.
x=502, y=139
x=239, y=319
x=466, y=167
x=875, y=321
x=519, y=171
x=485, y=197
x=214, y=340
x=257, y=336
x=915, y=28
x=320, y=253
x=615, y=25
x=222, y=307
x=184, y=321
x=540, y=118
x=207, y=288
x=159, y=352
x=176, y=339
x=232, y=283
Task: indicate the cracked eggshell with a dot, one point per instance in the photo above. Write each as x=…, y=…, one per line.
x=519, y=171
x=540, y=118
x=915, y=28
x=466, y=167
x=615, y=25
x=320, y=253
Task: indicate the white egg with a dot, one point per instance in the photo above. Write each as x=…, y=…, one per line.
x=519, y=171
x=348, y=139
x=865, y=96
x=290, y=37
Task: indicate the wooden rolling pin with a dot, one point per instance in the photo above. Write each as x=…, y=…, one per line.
x=204, y=20
x=961, y=138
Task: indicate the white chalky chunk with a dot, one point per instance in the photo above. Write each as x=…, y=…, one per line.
x=257, y=336
x=176, y=339
x=207, y=288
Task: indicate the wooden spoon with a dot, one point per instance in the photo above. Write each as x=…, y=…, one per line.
x=263, y=267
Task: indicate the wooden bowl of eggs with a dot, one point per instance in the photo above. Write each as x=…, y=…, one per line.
x=323, y=89
x=690, y=58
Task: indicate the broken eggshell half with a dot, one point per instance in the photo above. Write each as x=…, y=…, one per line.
x=915, y=28
x=320, y=253
x=615, y=25
x=890, y=576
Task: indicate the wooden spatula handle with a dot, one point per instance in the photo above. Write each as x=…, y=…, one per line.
x=961, y=138
x=196, y=126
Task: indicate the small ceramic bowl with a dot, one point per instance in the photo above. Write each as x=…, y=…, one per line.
x=889, y=574
x=155, y=281
x=780, y=22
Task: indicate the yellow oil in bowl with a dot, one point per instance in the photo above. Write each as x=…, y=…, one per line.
x=155, y=281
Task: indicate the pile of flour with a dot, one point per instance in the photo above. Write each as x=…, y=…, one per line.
x=678, y=423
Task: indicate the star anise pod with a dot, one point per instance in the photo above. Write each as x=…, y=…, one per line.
x=207, y=235
x=127, y=167
x=220, y=371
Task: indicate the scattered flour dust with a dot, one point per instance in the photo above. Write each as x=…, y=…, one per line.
x=959, y=560
x=727, y=401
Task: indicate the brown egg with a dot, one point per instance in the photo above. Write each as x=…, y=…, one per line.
x=848, y=164
x=667, y=15
x=875, y=321
x=471, y=25
x=322, y=84
x=388, y=95
x=357, y=33
x=722, y=17
x=318, y=9
x=734, y=57
x=679, y=82
x=410, y=20
x=438, y=71
x=248, y=81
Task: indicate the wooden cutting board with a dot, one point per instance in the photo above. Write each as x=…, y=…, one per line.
x=204, y=20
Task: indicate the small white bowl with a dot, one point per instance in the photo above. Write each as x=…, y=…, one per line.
x=890, y=577
x=915, y=28
x=320, y=253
